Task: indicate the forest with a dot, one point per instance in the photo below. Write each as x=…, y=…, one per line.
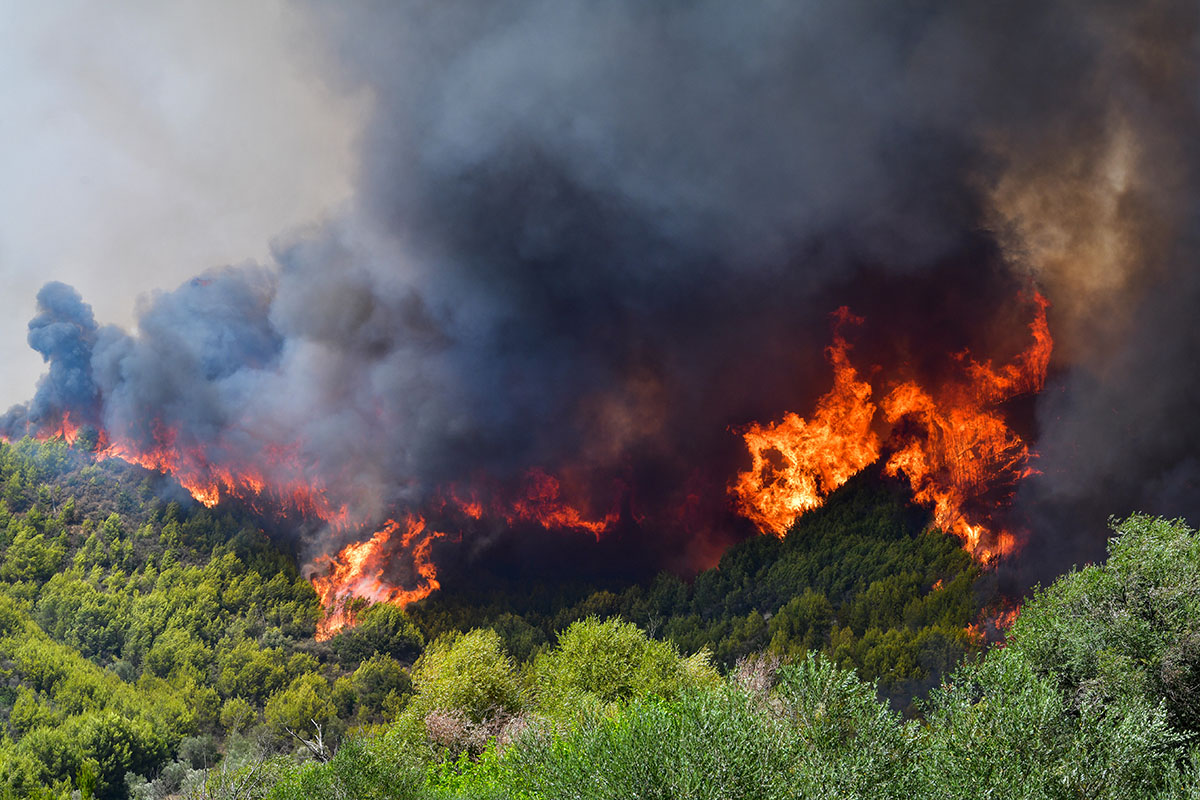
x=153, y=648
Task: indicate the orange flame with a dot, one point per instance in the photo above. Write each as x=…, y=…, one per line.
x=797, y=462
x=1007, y=618
x=958, y=450
x=540, y=502
x=289, y=489
x=954, y=445
x=63, y=429
x=994, y=623
x=278, y=484
x=357, y=571
x=544, y=505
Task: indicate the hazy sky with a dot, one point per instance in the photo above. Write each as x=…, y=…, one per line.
x=143, y=142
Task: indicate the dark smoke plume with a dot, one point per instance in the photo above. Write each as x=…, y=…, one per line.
x=592, y=238
x=64, y=332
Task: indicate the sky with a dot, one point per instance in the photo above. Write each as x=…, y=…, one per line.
x=142, y=143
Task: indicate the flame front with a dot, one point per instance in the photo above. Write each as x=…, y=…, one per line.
x=357, y=571
x=543, y=504
x=797, y=462
x=952, y=444
x=288, y=490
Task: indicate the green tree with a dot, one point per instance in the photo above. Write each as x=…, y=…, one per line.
x=804, y=623
x=469, y=673
x=305, y=702
x=382, y=628
x=380, y=683
x=237, y=714
x=610, y=661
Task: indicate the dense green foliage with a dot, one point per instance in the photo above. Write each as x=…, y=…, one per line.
x=1089, y=698
x=152, y=648
x=859, y=579
x=136, y=633
x=174, y=635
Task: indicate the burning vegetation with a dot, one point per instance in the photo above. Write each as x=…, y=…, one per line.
x=357, y=572
x=950, y=442
x=553, y=296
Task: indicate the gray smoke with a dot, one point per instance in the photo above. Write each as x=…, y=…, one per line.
x=64, y=332
x=592, y=237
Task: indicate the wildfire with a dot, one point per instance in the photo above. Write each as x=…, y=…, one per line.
x=63, y=428
x=544, y=505
x=539, y=502
x=797, y=462
x=289, y=489
x=994, y=623
x=279, y=487
x=357, y=572
x=952, y=444
x=66, y=430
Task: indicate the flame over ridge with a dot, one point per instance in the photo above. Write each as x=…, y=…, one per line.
x=797, y=462
x=994, y=623
x=66, y=430
x=952, y=444
x=287, y=490
x=357, y=570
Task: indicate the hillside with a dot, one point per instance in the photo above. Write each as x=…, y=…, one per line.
x=1094, y=695
x=152, y=647
x=146, y=637
x=860, y=579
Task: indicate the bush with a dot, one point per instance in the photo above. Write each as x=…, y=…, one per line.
x=469, y=673
x=611, y=662
x=305, y=703
x=710, y=743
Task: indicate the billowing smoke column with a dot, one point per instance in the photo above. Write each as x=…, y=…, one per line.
x=64, y=332
x=593, y=241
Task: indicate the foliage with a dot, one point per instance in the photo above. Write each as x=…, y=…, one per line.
x=470, y=673
x=153, y=648
x=1023, y=721
x=1127, y=629
x=860, y=579
x=612, y=662
x=133, y=626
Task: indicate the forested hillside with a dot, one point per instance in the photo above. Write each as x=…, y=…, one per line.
x=1094, y=695
x=145, y=637
x=152, y=647
x=859, y=579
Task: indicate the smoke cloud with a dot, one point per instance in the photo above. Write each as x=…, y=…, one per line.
x=593, y=238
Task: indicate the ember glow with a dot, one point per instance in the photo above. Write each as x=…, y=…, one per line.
x=539, y=500
x=951, y=442
x=364, y=570
x=66, y=430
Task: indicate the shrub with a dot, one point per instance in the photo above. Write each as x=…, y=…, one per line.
x=610, y=662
